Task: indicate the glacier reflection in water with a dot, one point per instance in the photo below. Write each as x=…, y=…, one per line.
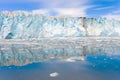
x=93, y=68
x=21, y=52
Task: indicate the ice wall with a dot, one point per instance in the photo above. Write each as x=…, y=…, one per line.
x=24, y=25
x=59, y=36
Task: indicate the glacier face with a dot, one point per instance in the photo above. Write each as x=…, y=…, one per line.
x=24, y=25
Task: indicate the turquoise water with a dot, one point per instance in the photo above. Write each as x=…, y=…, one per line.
x=93, y=68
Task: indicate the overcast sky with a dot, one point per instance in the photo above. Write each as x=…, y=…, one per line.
x=88, y=8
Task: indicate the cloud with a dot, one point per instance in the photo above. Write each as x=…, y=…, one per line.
x=117, y=12
x=113, y=15
x=71, y=11
x=51, y=3
x=59, y=7
x=103, y=8
x=66, y=7
x=64, y=3
x=18, y=1
x=74, y=12
x=41, y=11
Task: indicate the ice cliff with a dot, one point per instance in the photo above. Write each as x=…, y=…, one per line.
x=27, y=37
x=24, y=25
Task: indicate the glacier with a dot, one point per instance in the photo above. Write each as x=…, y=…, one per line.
x=24, y=25
x=27, y=37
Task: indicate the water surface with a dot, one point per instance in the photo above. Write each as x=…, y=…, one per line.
x=93, y=68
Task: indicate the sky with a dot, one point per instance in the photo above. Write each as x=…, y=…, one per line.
x=81, y=8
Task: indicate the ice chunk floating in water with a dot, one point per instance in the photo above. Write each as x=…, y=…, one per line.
x=55, y=74
x=73, y=59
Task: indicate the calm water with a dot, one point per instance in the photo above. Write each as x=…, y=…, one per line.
x=93, y=68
